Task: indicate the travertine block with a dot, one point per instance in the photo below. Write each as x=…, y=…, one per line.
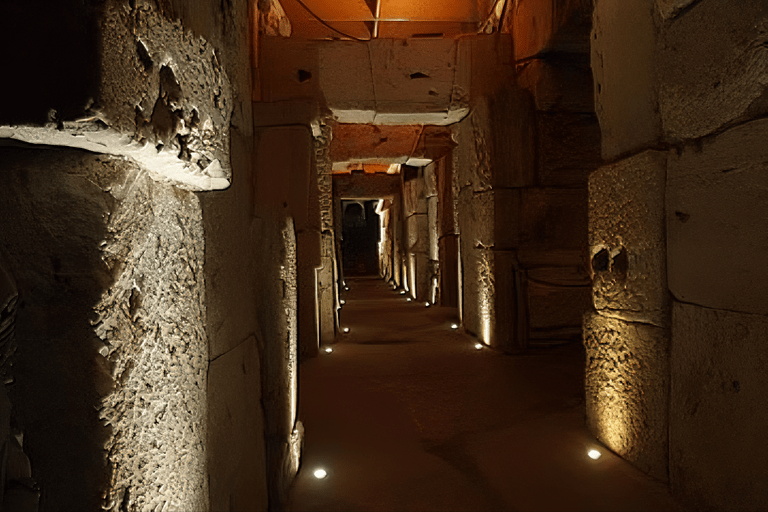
x=718, y=415
x=627, y=242
x=627, y=383
x=490, y=309
x=624, y=67
x=716, y=218
x=698, y=98
x=236, y=428
x=415, y=195
x=418, y=233
x=539, y=27
x=568, y=148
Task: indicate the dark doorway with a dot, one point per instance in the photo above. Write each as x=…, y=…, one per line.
x=360, y=237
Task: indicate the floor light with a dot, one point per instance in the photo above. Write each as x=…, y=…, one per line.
x=594, y=454
x=320, y=473
x=328, y=350
x=454, y=326
x=479, y=346
x=346, y=330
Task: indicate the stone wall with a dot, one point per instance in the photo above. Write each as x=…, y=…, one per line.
x=520, y=186
x=676, y=237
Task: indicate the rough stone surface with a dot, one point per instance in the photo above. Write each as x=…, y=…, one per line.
x=163, y=99
x=152, y=323
x=489, y=288
x=624, y=57
x=627, y=390
x=234, y=389
x=55, y=211
x=627, y=243
x=697, y=97
x=717, y=413
x=716, y=214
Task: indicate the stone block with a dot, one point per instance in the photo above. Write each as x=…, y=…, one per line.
x=449, y=271
x=560, y=25
x=718, y=455
x=415, y=195
x=568, y=148
x=432, y=227
x=627, y=242
x=716, y=218
x=698, y=97
x=550, y=219
x=624, y=69
x=556, y=300
x=490, y=308
x=494, y=152
x=417, y=233
x=235, y=444
x=559, y=85
x=627, y=390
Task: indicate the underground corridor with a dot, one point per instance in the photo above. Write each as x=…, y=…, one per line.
x=342, y=255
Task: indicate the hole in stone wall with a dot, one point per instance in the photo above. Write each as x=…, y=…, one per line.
x=304, y=75
x=417, y=75
x=620, y=263
x=601, y=261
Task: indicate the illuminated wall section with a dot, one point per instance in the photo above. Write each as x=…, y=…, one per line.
x=627, y=337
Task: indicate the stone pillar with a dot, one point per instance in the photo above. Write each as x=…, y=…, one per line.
x=416, y=234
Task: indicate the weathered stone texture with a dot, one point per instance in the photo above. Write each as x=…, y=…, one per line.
x=697, y=97
x=716, y=218
x=415, y=195
x=718, y=412
x=55, y=212
x=624, y=56
x=627, y=389
x=152, y=322
x=490, y=307
x=234, y=389
x=627, y=242
x=716, y=214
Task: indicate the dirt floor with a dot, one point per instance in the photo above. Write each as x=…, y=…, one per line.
x=407, y=415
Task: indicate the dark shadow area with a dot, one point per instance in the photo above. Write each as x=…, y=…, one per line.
x=49, y=54
x=360, y=238
x=53, y=221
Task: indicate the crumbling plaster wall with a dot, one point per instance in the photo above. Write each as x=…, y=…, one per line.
x=679, y=87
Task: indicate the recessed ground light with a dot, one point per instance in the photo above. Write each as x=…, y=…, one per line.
x=346, y=329
x=427, y=304
x=328, y=350
x=346, y=288
x=454, y=326
x=479, y=346
x=343, y=301
x=402, y=292
x=320, y=473
x=408, y=299
x=594, y=454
